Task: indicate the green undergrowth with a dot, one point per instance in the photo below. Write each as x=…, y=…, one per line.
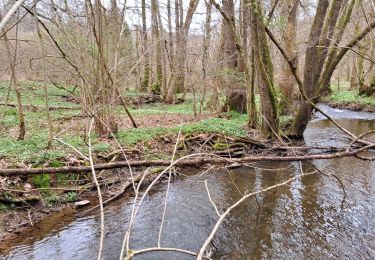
x=235, y=126
x=33, y=151
x=53, y=199
x=348, y=96
x=185, y=108
x=32, y=93
x=343, y=95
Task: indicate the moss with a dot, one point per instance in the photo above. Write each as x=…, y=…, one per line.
x=218, y=146
x=70, y=196
x=55, y=163
x=51, y=199
x=42, y=181
x=3, y=206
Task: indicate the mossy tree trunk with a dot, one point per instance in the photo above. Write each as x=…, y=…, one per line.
x=251, y=106
x=249, y=98
x=231, y=67
x=264, y=68
x=205, y=56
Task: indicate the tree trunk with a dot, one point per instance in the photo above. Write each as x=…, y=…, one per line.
x=264, y=68
x=289, y=12
x=146, y=72
x=251, y=106
x=104, y=92
x=205, y=56
x=182, y=30
x=49, y=120
x=14, y=84
x=157, y=42
x=314, y=61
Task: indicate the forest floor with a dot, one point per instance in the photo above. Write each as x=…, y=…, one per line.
x=26, y=200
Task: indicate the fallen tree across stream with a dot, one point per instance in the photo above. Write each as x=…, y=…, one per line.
x=204, y=158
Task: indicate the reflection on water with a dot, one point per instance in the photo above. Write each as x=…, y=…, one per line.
x=305, y=219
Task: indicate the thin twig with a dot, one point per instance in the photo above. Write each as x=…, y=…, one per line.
x=167, y=192
x=165, y=249
x=209, y=197
x=101, y=242
x=71, y=146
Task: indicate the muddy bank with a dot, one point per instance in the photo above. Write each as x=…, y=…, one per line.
x=17, y=220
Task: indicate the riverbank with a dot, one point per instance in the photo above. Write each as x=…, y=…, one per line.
x=345, y=98
x=28, y=199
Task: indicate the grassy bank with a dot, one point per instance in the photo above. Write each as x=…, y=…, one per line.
x=344, y=97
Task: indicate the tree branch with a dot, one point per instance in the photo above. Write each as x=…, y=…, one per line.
x=204, y=158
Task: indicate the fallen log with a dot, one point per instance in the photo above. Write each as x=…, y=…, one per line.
x=35, y=108
x=204, y=158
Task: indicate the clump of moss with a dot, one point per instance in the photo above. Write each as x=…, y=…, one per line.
x=71, y=196
x=42, y=181
x=3, y=206
x=51, y=199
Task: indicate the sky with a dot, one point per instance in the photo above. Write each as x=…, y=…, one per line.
x=133, y=17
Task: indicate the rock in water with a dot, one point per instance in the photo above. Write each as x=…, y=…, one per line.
x=82, y=203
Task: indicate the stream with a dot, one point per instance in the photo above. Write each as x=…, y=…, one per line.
x=306, y=219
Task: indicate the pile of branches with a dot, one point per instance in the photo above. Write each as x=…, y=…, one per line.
x=222, y=145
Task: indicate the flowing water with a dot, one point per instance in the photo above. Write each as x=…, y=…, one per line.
x=306, y=219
